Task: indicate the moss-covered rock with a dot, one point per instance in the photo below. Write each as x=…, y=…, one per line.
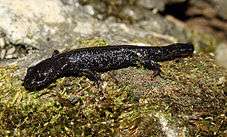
x=187, y=99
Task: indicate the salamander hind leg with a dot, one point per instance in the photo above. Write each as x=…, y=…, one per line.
x=152, y=65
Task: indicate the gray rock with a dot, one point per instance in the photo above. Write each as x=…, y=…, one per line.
x=221, y=6
x=151, y=4
x=50, y=25
x=156, y=4
x=22, y=20
x=70, y=2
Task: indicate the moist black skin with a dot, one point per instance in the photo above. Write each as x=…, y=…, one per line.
x=90, y=61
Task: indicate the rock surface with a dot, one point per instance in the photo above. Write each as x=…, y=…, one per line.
x=221, y=54
x=30, y=24
x=221, y=5
x=23, y=21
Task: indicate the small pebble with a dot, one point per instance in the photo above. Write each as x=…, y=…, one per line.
x=11, y=51
x=9, y=56
x=15, y=55
x=2, y=43
x=89, y=9
x=3, y=53
x=74, y=99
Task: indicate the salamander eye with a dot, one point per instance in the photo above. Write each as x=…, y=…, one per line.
x=29, y=69
x=56, y=52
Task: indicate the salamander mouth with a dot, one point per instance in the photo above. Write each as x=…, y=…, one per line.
x=186, y=54
x=32, y=85
x=28, y=85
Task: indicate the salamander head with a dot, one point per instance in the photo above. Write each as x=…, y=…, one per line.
x=176, y=50
x=40, y=75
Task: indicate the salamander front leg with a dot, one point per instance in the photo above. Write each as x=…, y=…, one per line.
x=152, y=65
x=94, y=77
x=91, y=76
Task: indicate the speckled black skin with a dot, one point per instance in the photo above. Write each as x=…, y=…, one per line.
x=88, y=61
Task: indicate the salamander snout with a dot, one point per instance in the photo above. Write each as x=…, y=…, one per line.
x=38, y=77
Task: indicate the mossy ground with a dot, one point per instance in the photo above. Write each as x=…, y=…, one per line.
x=189, y=95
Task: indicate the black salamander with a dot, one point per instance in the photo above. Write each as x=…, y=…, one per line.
x=90, y=61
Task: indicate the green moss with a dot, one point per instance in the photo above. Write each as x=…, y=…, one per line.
x=92, y=42
x=189, y=94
